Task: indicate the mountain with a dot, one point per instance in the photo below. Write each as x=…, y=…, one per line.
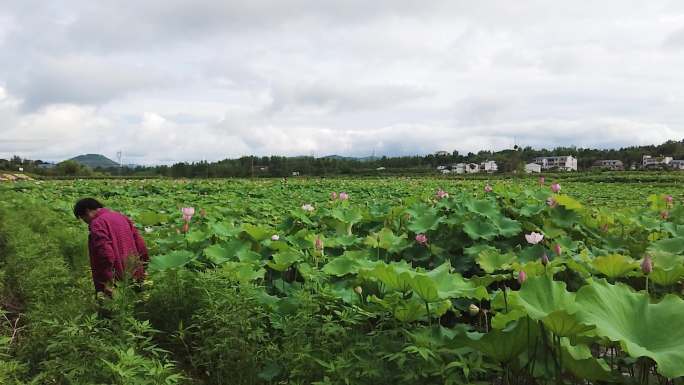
x=95, y=160
x=362, y=159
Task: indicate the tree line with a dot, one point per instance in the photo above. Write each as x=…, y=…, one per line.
x=508, y=160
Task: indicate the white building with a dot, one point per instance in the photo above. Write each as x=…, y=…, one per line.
x=472, y=168
x=677, y=164
x=489, y=166
x=563, y=163
x=609, y=164
x=458, y=168
x=533, y=168
x=649, y=161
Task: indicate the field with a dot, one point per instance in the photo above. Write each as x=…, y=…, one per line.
x=493, y=280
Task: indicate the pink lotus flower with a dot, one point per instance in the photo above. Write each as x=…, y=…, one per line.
x=333, y=195
x=534, y=238
x=647, y=265
x=441, y=194
x=669, y=199
x=344, y=196
x=522, y=277
x=556, y=187
x=275, y=237
x=557, y=249
x=308, y=207
x=488, y=189
x=422, y=239
x=541, y=180
x=545, y=259
x=551, y=202
x=188, y=212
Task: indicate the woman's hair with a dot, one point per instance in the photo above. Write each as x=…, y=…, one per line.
x=85, y=204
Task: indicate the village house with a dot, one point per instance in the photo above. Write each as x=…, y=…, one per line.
x=532, y=168
x=615, y=165
x=561, y=163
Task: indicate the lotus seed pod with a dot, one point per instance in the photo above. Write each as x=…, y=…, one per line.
x=358, y=290
x=473, y=310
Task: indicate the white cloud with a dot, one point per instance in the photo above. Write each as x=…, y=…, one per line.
x=187, y=80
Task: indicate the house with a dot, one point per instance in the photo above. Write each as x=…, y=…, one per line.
x=441, y=168
x=446, y=171
x=489, y=166
x=379, y=169
x=609, y=164
x=472, y=168
x=562, y=163
x=533, y=168
x=295, y=173
x=458, y=168
x=648, y=161
x=677, y=164
x=442, y=153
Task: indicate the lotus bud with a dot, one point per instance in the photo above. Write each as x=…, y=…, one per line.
x=421, y=239
x=551, y=202
x=333, y=195
x=318, y=244
x=541, y=180
x=488, y=189
x=344, y=196
x=669, y=199
x=556, y=187
x=358, y=290
x=545, y=259
x=664, y=215
x=647, y=265
x=473, y=310
x=557, y=249
x=275, y=237
x=441, y=194
x=522, y=277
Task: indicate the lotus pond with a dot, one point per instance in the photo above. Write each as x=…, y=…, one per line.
x=349, y=281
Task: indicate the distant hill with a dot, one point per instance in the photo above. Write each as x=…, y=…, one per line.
x=95, y=160
x=363, y=159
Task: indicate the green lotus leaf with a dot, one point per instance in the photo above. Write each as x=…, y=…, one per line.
x=507, y=227
x=532, y=209
x=220, y=253
x=579, y=361
x=425, y=288
x=563, y=217
x=151, y=218
x=501, y=320
x=224, y=229
x=341, y=266
x=243, y=273
x=503, y=345
x=171, y=260
x=541, y=296
x=567, y=202
x=614, y=265
x=424, y=223
x=666, y=277
x=486, y=208
x=347, y=215
x=565, y=324
x=284, y=259
x=491, y=260
x=669, y=245
x=392, y=276
x=674, y=229
x=258, y=233
x=453, y=285
x=642, y=328
x=478, y=228
x=385, y=239
x=195, y=236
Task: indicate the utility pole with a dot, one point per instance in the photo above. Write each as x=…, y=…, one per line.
x=119, y=154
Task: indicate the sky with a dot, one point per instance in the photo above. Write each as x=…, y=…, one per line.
x=175, y=80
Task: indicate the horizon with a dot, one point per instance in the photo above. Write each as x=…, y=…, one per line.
x=209, y=80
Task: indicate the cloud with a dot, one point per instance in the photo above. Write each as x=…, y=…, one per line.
x=174, y=80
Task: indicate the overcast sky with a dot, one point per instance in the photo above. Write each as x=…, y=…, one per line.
x=171, y=80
